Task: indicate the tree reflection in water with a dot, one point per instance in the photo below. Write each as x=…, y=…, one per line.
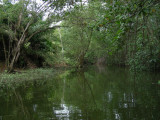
x=90, y=94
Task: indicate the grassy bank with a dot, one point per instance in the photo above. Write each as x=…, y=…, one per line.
x=16, y=79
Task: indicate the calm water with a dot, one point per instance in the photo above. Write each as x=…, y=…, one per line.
x=92, y=94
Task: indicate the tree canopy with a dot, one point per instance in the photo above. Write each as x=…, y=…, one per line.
x=122, y=32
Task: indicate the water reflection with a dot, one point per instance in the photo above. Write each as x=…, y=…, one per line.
x=91, y=94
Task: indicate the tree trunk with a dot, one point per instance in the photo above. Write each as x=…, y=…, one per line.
x=16, y=54
x=16, y=50
x=14, y=60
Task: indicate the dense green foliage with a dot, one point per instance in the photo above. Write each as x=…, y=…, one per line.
x=122, y=32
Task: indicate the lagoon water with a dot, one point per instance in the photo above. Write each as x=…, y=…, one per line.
x=95, y=93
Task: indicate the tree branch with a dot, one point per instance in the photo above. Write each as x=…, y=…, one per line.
x=42, y=30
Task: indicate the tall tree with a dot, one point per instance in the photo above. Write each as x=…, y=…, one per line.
x=24, y=20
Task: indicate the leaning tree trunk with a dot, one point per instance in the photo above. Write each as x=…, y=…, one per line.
x=16, y=54
x=16, y=50
x=14, y=60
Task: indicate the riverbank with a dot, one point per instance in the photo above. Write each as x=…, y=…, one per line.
x=17, y=78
